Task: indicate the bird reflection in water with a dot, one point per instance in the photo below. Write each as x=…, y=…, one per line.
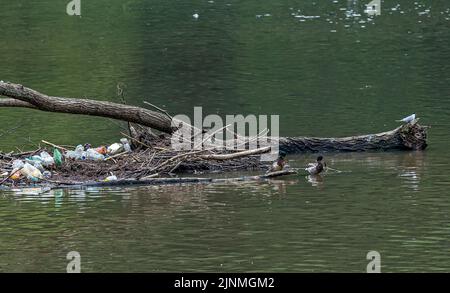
x=315, y=180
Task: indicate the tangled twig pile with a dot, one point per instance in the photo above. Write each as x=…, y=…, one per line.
x=151, y=163
x=142, y=163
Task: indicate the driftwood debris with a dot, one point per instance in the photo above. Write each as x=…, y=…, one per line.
x=50, y=185
x=170, y=181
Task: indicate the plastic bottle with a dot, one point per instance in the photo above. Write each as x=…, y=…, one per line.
x=31, y=172
x=101, y=150
x=79, y=149
x=110, y=178
x=17, y=165
x=93, y=155
x=38, y=165
x=33, y=159
x=16, y=175
x=80, y=154
x=126, y=145
x=57, y=157
x=47, y=160
x=115, y=148
x=70, y=154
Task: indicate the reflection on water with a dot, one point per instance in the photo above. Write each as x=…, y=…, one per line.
x=321, y=223
x=411, y=169
x=407, y=166
x=315, y=180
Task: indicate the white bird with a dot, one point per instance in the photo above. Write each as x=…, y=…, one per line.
x=195, y=15
x=408, y=119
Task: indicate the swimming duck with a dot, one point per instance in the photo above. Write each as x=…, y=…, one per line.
x=316, y=168
x=279, y=164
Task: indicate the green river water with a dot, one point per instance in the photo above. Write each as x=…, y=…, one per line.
x=325, y=70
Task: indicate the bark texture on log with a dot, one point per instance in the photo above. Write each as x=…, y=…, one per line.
x=43, y=102
x=16, y=103
x=411, y=136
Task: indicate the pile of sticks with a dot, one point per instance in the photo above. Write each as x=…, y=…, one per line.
x=142, y=164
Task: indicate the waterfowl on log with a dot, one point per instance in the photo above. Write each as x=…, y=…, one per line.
x=408, y=119
x=279, y=164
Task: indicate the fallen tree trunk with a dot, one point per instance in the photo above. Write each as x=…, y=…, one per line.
x=410, y=136
x=49, y=185
x=29, y=98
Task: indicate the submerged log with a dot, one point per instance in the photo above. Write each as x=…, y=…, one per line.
x=411, y=136
x=49, y=185
x=171, y=181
